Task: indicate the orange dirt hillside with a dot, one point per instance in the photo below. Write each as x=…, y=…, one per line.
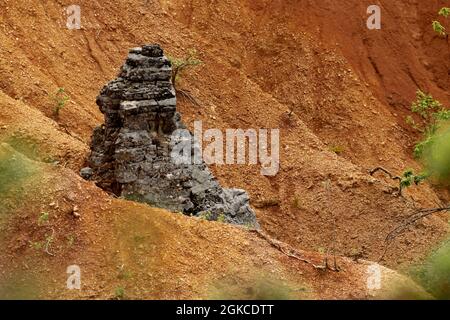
x=339, y=94
x=52, y=219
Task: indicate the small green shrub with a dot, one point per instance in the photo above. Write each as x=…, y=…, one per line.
x=445, y=12
x=433, y=275
x=119, y=293
x=124, y=274
x=207, y=215
x=436, y=156
x=36, y=245
x=43, y=218
x=60, y=98
x=437, y=26
x=425, y=105
x=409, y=178
x=296, y=203
x=180, y=65
x=338, y=149
x=70, y=240
x=48, y=241
x=432, y=114
x=221, y=218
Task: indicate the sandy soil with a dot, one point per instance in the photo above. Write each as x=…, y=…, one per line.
x=347, y=87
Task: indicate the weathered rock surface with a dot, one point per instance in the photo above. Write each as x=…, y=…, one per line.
x=131, y=151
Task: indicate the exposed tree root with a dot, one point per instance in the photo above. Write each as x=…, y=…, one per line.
x=292, y=253
x=48, y=241
x=71, y=134
x=417, y=215
x=185, y=94
x=393, y=177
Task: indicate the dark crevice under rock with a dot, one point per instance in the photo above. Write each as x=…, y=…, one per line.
x=131, y=152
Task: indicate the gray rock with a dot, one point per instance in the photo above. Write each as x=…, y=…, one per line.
x=131, y=152
x=86, y=173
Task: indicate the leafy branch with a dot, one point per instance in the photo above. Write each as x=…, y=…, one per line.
x=432, y=114
x=60, y=98
x=179, y=67
x=445, y=12
x=437, y=26
x=406, y=180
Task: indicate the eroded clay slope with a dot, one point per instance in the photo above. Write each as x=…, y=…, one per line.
x=52, y=219
x=255, y=70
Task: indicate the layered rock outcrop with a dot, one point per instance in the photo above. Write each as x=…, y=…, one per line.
x=132, y=152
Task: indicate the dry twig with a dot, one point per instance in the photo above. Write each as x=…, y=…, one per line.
x=185, y=94
x=290, y=252
x=393, y=177
x=418, y=214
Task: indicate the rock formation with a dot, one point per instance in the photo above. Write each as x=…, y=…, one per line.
x=131, y=151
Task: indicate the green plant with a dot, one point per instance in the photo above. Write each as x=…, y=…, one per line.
x=432, y=114
x=445, y=12
x=206, y=215
x=221, y=218
x=60, y=98
x=138, y=239
x=425, y=105
x=408, y=178
x=48, y=241
x=433, y=275
x=436, y=156
x=338, y=149
x=70, y=240
x=296, y=203
x=43, y=218
x=180, y=65
x=45, y=244
x=123, y=274
x=119, y=293
x=420, y=147
x=437, y=26
x=36, y=245
x=43, y=221
x=410, y=120
x=249, y=226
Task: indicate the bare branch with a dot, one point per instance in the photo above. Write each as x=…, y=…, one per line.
x=417, y=215
x=392, y=176
x=290, y=252
x=188, y=96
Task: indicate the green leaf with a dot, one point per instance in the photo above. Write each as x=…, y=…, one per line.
x=445, y=12
x=439, y=28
